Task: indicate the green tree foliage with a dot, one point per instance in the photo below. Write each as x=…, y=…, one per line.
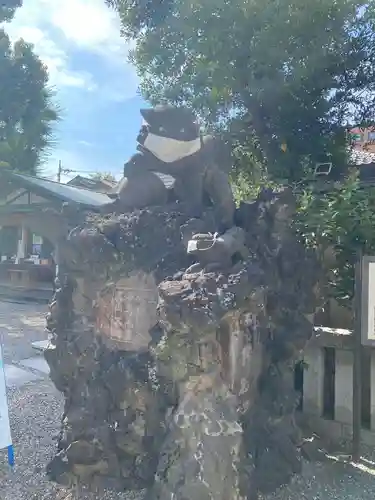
x=341, y=219
x=8, y=8
x=280, y=76
x=103, y=176
x=27, y=113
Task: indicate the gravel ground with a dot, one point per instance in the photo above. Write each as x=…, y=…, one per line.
x=335, y=480
x=36, y=409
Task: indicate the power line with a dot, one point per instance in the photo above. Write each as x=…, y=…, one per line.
x=69, y=171
x=65, y=171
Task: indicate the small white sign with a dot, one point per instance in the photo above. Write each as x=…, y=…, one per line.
x=5, y=434
x=368, y=301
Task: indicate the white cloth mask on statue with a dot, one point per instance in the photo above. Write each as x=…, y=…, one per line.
x=170, y=150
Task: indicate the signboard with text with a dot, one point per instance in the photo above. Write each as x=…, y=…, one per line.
x=127, y=311
x=368, y=301
x=5, y=434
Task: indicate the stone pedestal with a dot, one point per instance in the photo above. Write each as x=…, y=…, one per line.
x=180, y=382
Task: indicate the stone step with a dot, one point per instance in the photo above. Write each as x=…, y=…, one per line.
x=37, y=363
x=40, y=345
x=25, y=371
x=17, y=377
x=21, y=294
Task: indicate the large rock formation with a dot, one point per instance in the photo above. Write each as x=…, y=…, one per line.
x=178, y=376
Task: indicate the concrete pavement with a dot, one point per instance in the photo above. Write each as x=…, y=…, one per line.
x=20, y=326
x=27, y=370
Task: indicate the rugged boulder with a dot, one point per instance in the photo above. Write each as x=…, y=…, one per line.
x=179, y=378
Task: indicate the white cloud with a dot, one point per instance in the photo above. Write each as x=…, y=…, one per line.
x=88, y=23
x=87, y=144
x=63, y=33
x=58, y=27
x=53, y=57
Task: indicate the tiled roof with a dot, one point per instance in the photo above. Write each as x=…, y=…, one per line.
x=90, y=183
x=63, y=192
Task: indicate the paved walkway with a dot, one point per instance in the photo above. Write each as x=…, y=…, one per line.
x=20, y=326
x=25, y=371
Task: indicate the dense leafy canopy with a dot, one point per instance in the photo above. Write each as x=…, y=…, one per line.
x=282, y=79
x=27, y=113
x=8, y=8
x=280, y=76
x=342, y=219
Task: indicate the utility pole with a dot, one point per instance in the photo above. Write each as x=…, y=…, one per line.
x=59, y=171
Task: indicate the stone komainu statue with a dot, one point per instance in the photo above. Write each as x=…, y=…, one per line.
x=170, y=142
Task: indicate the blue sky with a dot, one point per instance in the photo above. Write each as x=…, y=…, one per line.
x=79, y=41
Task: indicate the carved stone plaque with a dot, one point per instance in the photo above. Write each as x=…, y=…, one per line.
x=126, y=312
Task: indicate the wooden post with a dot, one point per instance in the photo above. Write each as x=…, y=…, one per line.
x=357, y=360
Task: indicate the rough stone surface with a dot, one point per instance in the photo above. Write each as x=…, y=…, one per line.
x=205, y=408
x=35, y=409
